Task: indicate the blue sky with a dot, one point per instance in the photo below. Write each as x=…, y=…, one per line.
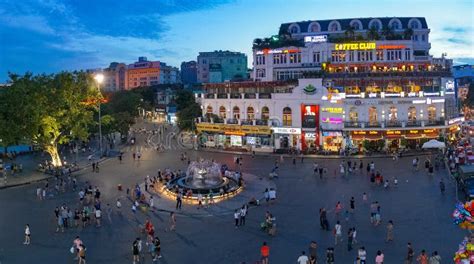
x=54, y=35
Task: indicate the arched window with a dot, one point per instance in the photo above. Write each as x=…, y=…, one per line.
x=286, y=116
x=250, y=113
x=411, y=114
x=236, y=112
x=265, y=113
x=314, y=27
x=393, y=114
x=373, y=115
x=375, y=23
x=222, y=113
x=353, y=115
x=356, y=25
x=414, y=23
x=294, y=28
x=334, y=26
x=431, y=114
x=395, y=24
x=209, y=111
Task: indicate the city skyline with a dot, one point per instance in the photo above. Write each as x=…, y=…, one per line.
x=50, y=36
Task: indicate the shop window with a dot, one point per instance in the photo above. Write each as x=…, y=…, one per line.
x=222, y=112
x=353, y=115
x=236, y=112
x=286, y=116
x=393, y=114
x=373, y=115
x=265, y=113
x=209, y=111
x=431, y=114
x=411, y=114
x=250, y=113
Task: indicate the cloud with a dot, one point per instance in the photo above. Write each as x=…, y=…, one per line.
x=456, y=29
x=460, y=61
x=458, y=41
x=27, y=22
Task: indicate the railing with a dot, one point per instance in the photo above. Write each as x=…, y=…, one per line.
x=438, y=122
x=413, y=123
x=353, y=124
x=209, y=96
x=393, y=123
x=246, y=122
x=261, y=122
x=222, y=96
x=373, y=124
x=235, y=96
x=265, y=96
x=232, y=121
x=250, y=96
x=387, y=74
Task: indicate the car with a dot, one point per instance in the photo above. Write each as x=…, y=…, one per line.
x=468, y=187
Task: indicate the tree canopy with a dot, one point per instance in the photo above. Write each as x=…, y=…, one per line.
x=187, y=109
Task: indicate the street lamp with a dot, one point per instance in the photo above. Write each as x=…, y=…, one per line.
x=99, y=78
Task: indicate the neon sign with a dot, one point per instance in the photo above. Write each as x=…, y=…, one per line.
x=275, y=51
x=333, y=110
x=355, y=46
x=332, y=120
x=316, y=39
x=391, y=46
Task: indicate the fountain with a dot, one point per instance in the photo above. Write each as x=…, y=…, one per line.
x=204, y=177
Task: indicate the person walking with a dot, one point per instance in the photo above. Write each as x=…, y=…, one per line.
x=27, y=235
x=264, y=253
x=330, y=255
x=435, y=258
x=303, y=259
x=389, y=231
x=237, y=217
x=157, y=249
x=379, y=259
x=179, y=201
x=82, y=254
x=349, y=239
x=362, y=254
x=243, y=214
x=422, y=258
x=313, y=252
x=172, y=221
x=410, y=254
x=354, y=236
x=135, y=251
x=337, y=232
x=352, y=204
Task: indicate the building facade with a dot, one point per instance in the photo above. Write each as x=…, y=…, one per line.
x=221, y=66
x=188, y=72
x=143, y=73
x=168, y=74
x=115, y=77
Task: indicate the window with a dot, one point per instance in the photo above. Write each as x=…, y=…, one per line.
x=222, y=112
x=431, y=114
x=317, y=56
x=260, y=59
x=411, y=114
x=250, y=113
x=415, y=37
x=423, y=37
x=373, y=115
x=204, y=61
x=375, y=24
x=393, y=114
x=279, y=58
x=294, y=29
x=395, y=25
x=286, y=116
x=356, y=25
x=236, y=112
x=334, y=26
x=260, y=73
x=314, y=27
x=338, y=56
x=351, y=55
x=353, y=115
x=265, y=113
x=295, y=57
x=209, y=111
x=379, y=55
x=407, y=54
x=414, y=24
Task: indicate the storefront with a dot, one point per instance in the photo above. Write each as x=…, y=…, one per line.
x=233, y=136
x=368, y=139
x=287, y=137
x=394, y=139
x=332, y=141
x=310, y=127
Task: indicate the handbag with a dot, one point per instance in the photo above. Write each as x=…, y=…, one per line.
x=72, y=250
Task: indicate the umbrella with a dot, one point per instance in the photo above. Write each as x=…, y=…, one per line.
x=434, y=144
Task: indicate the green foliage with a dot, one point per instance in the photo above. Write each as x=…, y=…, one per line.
x=123, y=122
x=374, y=145
x=123, y=101
x=187, y=109
x=184, y=98
x=283, y=40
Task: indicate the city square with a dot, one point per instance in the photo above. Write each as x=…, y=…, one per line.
x=247, y=132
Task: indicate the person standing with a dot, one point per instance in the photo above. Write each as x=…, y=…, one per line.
x=243, y=214
x=157, y=248
x=422, y=258
x=410, y=254
x=265, y=253
x=313, y=252
x=172, y=221
x=362, y=254
x=330, y=255
x=354, y=236
x=435, y=258
x=236, y=218
x=352, y=204
x=349, y=239
x=27, y=235
x=151, y=202
x=303, y=259
x=389, y=231
x=379, y=258
x=82, y=254
x=135, y=251
x=337, y=232
x=179, y=201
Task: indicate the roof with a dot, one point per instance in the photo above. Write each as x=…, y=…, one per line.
x=345, y=23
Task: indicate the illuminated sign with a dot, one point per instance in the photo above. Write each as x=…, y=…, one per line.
x=450, y=85
x=309, y=135
x=309, y=89
x=456, y=120
x=333, y=110
x=355, y=46
x=331, y=134
x=419, y=101
x=394, y=133
x=391, y=46
x=276, y=51
x=286, y=130
x=332, y=120
x=316, y=39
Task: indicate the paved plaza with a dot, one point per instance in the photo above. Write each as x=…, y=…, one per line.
x=420, y=213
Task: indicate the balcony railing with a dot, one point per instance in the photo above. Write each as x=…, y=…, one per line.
x=373, y=124
x=235, y=96
x=250, y=96
x=246, y=122
x=265, y=96
x=353, y=124
x=413, y=123
x=261, y=122
x=222, y=96
x=232, y=121
x=209, y=96
x=393, y=123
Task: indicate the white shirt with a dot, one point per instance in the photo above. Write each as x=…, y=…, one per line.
x=119, y=204
x=98, y=213
x=236, y=215
x=272, y=194
x=338, y=229
x=151, y=202
x=362, y=254
x=243, y=212
x=303, y=259
x=27, y=231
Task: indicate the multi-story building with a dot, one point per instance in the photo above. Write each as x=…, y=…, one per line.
x=221, y=66
x=115, y=77
x=189, y=72
x=143, y=73
x=464, y=76
x=374, y=84
x=168, y=74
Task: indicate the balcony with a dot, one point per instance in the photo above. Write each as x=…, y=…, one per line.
x=393, y=123
x=222, y=96
x=235, y=96
x=232, y=121
x=434, y=122
x=264, y=96
x=373, y=124
x=209, y=96
x=439, y=73
x=261, y=122
x=413, y=123
x=250, y=96
x=246, y=122
x=353, y=124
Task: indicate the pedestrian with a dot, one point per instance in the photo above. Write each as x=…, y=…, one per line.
x=422, y=258
x=352, y=204
x=27, y=235
x=264, y=253
x=118, y=204
x=60, y=224
x=362, y=254
x=199, y=198
x=243, y=213
x=389, y=231
x=379, y=258
x=93, y=166
x=410, y=254
x=313, y=252
x=354, y=236
x=236, y=217
x=346, y=215
x=135, y=251
x=330, y=255
x=151, y=203
x=337, y=232
x=364, y=197
x=172, y=221
x=338, y=209
x=303, y=259
x=179, y=200
x=435, y=258
x=82, y=254
x=349, y=239
x=157, y=249
x=98, y=216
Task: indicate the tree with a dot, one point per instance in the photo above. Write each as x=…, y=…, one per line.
x=408, y=33
x=373, y=34
x=188, y=109
x=59, y=108
x=350, y=32
x=388, y=33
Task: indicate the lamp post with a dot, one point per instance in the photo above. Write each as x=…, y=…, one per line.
x=99, y=78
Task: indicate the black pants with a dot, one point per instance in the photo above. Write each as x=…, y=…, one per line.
x=242, y=220
x=178, y=204
x=236, y=222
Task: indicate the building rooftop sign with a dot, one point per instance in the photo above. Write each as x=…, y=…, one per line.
x=355, y=46
x=316, y=39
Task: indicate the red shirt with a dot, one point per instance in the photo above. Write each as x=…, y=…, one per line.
x=265, y=251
